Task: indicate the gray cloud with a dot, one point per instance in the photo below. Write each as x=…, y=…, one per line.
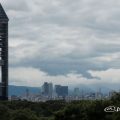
x=63, y=36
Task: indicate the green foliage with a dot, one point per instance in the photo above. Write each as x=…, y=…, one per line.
x=116, y=98
x=25, y=114
x=60, y=110
x=4, y=112
x=116, y=116
x=71, y=112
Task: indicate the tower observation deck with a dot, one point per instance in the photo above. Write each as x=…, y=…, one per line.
x=3, y=54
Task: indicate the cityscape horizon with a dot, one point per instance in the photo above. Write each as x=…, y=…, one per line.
x=63, y=42
x=49, y=91
x=59, y=60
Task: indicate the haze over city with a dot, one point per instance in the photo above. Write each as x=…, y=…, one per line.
x=64, y=41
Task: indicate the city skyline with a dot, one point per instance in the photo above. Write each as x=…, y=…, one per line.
x=49, y=91
x=64, y=42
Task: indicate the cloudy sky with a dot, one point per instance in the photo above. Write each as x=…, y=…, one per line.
x=68, y=42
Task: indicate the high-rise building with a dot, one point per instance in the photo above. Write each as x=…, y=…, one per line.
x=76, y=92
x=99, y=94
x=4, y=53
x=47, y=89
x=58, y=90
x=50, y=90
x=61, y=90
x=27, y=93
x=64, y=91
x=0, y=89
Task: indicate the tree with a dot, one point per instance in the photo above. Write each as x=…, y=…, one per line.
x=25, y=114
x=4, y=112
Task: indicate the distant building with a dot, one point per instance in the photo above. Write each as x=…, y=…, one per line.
x=14, y=97
x=50, y=90
x=99, y=94
x=76, y=92
x=61, y=90
x=47, y=89
x=27, y=93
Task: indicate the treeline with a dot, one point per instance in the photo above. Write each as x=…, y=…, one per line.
x=60, y=110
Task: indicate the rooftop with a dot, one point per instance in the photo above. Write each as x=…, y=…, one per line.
x=3, y=15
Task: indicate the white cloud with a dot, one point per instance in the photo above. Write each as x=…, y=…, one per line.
x=81, y=33
x=113, y=57
x=36, y=77
x=109, y=76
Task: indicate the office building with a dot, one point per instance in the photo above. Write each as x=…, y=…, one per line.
x=61, y=90
x=76, y=92
x=47, y=89
x=50, y=90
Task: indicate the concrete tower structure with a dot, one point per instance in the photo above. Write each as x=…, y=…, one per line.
x=3, y=54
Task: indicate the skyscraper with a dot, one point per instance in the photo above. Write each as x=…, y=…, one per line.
x=50, y=90
x=61, y=90
x=0, y=89
x=76, y=92
x=47, y=89
x=4, y=53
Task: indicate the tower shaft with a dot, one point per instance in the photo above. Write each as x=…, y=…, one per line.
x=4, y=54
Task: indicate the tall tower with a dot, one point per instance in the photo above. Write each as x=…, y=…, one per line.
x=4, y=53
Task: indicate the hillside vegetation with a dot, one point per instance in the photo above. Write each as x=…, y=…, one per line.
x=60, y=110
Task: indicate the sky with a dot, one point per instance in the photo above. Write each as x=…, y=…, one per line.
x=67, y=42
